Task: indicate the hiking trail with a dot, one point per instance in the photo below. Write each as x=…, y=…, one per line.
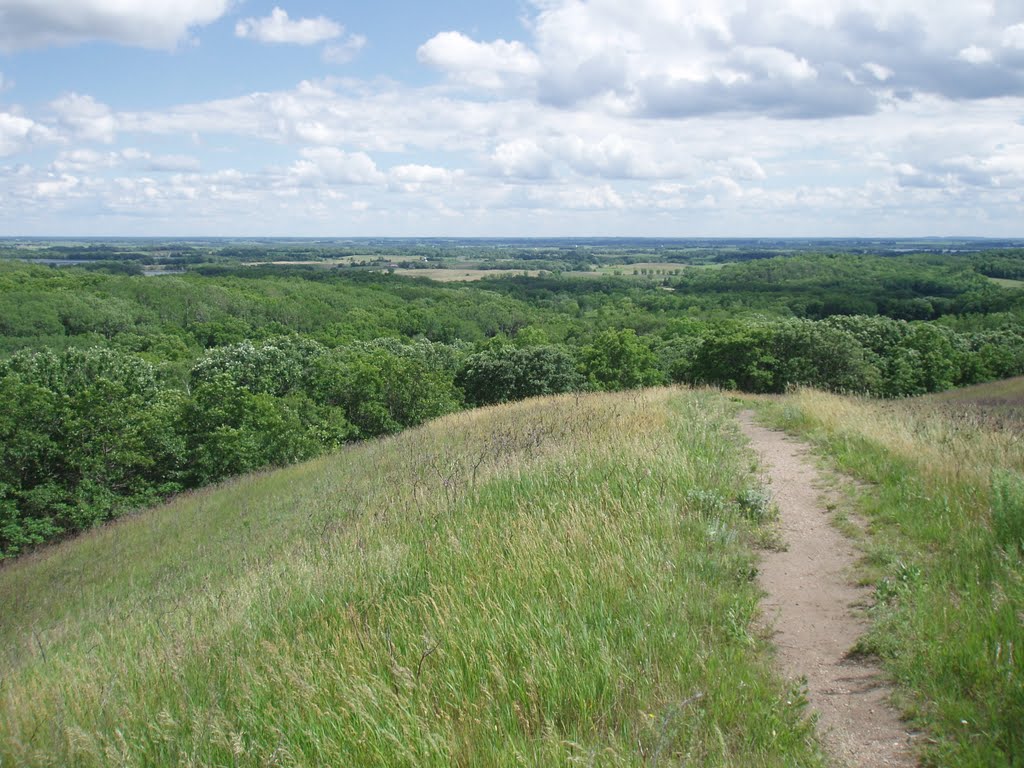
x=812, y=610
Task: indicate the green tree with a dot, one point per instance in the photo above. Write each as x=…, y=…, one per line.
x=620, y=360
x=505, y=373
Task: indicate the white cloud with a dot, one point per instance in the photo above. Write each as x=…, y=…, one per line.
x=880, y=73
x=787, y=58
x=145, y=23
x=775, y=62
x=521, y=158
x=345, y=51
x=615, y=157
x=415, y=177
x=973, y=54
x=278, y=28
x=576, y=198
x=487, y=65
x=85, y=118
x=85, y=160
x=332, y=165
x=17, y=131
x=659, y=117
x=57, y=186
x=1013, y=37
x=150, y=162
x=746, y=168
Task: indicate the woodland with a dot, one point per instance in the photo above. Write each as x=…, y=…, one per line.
x=134, y=370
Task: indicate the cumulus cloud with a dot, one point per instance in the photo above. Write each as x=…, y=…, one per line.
x=974, y=54
x=659, y=116
x=278, y=28
x=489, y=65
x=415, y=177
x=144, y=23
x=521, y=158
x=85, y=118
x=335, y=166
x=788, y=58
x=17, y=131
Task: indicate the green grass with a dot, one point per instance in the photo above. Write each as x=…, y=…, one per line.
x=1006, y=282
x=566, y=581
x=944, y=495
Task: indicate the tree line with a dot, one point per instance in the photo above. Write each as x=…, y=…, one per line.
x=88, y=433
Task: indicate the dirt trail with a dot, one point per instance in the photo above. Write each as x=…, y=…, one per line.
x=810, y=608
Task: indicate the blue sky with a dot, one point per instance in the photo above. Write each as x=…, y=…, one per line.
x=538, y=117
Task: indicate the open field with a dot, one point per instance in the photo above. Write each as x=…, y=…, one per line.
x=659, y=267
x=456, y=275
x=1007, y=283
x=557, y=582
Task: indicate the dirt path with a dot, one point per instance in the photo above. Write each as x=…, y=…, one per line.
x=810, y=607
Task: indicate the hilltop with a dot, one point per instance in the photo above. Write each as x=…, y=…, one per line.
x=558, y=580
x=563, y=579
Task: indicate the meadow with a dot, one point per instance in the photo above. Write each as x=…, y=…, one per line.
x=561, y=581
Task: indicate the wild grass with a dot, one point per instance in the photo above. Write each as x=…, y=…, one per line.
x=946, y=507
x=566, y=581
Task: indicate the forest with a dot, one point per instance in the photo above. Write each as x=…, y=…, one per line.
x=133, y=371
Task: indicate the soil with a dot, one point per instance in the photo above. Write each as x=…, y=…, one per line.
x=814, y=612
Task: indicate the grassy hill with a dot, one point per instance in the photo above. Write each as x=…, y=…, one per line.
x=562, y=581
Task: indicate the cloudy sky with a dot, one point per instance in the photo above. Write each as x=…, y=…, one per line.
x=537, y=117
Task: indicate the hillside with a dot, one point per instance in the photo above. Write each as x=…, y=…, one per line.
x=561, y=580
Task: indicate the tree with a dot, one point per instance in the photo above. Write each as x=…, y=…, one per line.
x=620, y=360
x=505, y=373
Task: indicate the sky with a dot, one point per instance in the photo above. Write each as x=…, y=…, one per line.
x=662, y=118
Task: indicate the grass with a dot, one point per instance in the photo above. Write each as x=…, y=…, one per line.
x=945, y=501
x=1006, y=282
x=565, y=581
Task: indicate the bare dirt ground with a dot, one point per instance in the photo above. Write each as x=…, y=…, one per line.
x=811, y=609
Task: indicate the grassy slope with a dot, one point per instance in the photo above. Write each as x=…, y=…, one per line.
x=946, y=504
x=562, y=581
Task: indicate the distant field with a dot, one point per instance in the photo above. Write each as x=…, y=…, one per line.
x=1007, y=283
x=336, y=261
x=650, y=266
x=463, y=275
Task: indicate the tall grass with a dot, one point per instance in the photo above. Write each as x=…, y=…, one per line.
x=946, y=501
x=567, y=581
